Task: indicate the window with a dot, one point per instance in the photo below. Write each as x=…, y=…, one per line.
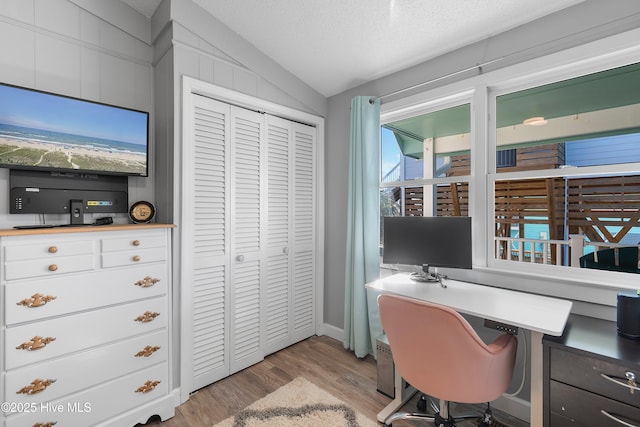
x=425, y=164
x=574, y=188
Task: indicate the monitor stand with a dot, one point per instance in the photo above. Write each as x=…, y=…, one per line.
x=426, y=276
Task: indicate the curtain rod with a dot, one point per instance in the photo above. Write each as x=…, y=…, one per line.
x=455, y=73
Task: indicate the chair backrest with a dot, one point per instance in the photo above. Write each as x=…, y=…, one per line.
x=438, y=352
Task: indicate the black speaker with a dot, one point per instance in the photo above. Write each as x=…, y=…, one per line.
x=629, y=314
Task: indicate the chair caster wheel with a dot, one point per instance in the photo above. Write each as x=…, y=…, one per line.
x=422, y=404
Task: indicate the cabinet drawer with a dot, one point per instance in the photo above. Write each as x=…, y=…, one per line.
x=571, y=406
x=138, y=256
x=587, y=373
x=86, y=369
x=141, y=241
x=47, y=249
x=100, y=403
x=84, y=330
x=81, y=292
x=47, y=267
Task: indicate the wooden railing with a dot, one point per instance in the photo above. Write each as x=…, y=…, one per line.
x=575, y=245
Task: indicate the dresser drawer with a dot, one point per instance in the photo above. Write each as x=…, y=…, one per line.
x=47, y=267
x=85, y=369
x=594, y=375
x=100, y=403
x=48, y=249
x=571, y=406
x=141, y=241
x=137, y=256
x=72, y=293
x=84, y=330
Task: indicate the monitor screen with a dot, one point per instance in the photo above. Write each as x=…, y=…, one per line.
x=436, y=241
x=49, y=132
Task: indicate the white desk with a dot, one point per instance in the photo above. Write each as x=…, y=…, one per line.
x=539, y=314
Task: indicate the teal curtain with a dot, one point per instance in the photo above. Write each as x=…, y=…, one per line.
x=363, y=227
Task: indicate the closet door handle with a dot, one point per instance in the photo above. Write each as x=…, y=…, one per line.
x=285, y=250
x=240, y=258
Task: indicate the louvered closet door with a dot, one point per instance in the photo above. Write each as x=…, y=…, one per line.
x=304, y=232
x=207, y=238
x=277, y=283
x=246, y=236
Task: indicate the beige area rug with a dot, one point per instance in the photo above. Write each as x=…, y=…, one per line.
x=299, y=403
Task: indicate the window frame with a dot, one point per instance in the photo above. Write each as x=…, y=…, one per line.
x=481, y=91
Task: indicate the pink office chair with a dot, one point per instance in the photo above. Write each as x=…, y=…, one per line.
x=436, y=351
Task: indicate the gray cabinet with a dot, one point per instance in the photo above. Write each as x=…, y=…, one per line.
x=589, y=375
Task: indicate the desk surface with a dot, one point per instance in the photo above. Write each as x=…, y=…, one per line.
x=528, y=311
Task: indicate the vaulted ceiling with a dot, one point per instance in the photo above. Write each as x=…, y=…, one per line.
x=335, y=45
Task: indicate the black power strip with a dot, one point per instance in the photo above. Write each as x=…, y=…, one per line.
x=503, y=327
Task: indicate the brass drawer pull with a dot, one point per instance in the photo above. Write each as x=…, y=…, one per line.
x=48, y=424
x=147, y=387
x=36, y=343
x=147, y=282
x=136, y=243
x=147, y=317
x=136, y=258
x=52, y=249
x=147, y=351
x=36, y=386
x=36, y=300
x=53, y=267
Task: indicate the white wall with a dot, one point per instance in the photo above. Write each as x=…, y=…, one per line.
x=99, y=51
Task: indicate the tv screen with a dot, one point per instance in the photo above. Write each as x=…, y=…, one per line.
x=45, y=131
x=436, y=241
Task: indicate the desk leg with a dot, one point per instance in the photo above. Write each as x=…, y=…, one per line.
x=402, y=395
x=536, y=379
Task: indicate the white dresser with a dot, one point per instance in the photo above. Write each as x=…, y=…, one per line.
x=86, y=316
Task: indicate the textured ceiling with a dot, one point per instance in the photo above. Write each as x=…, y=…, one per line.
x=335, y=45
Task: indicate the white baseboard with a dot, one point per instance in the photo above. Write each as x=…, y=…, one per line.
x=333, y=332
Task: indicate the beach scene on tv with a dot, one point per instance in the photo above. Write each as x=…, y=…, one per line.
x=38, y=129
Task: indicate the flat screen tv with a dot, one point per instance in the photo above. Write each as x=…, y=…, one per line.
x=49, y=132
x=428, y=241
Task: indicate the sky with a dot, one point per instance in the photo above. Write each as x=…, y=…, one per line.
x=39, y=110
x=390, y=154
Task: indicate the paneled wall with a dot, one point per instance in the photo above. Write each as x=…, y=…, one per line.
x=98, y=51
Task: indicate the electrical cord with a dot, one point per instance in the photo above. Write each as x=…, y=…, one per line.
x=524, y=366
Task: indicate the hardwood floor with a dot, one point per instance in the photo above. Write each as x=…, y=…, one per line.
x=321, y=360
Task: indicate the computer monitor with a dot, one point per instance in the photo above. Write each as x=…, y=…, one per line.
x=439, y=241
